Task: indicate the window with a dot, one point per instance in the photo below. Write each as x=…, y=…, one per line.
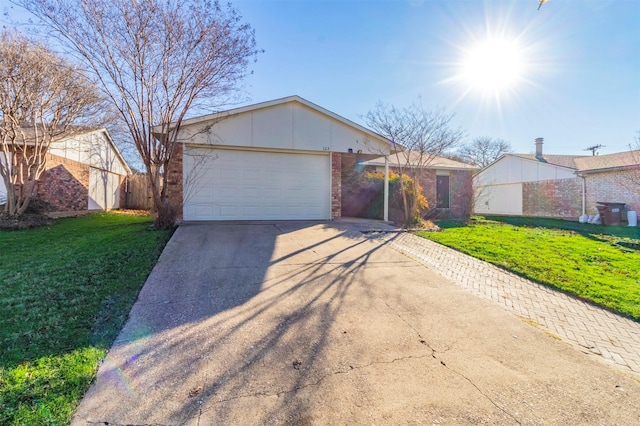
x=442, y=192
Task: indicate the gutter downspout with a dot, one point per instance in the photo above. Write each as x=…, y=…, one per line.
x=386, y=189
x=584, y=194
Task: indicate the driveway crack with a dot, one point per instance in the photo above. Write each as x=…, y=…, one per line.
x=321, y=379
x=433, y=354
x=487, y=397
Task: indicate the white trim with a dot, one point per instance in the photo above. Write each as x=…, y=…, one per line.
x=255, y=148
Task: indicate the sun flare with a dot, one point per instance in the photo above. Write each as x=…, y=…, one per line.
x=492, y=66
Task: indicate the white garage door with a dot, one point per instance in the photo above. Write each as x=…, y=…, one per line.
x=255, y=185
x=104, y=190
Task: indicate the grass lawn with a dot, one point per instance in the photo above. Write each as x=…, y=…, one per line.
x=65, y=292
x=597, y=263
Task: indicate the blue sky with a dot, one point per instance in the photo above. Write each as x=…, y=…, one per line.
x=579, y=83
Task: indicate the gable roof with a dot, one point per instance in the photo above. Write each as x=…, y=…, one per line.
x=568, y=161
x=29, y=133
x=588, y=163
x=436, y=162
x=281, y=101
x=79, y=131
x=606, y=162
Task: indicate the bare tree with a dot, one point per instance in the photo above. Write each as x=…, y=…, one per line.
x=42, y=96
x=483, y=151
x=156, y=60
x=421, y=136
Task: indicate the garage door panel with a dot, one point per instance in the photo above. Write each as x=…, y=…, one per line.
x=252, y=185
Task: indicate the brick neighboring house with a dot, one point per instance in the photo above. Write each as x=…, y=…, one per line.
x=84, y=171
x=446, y=184
x=559, y=186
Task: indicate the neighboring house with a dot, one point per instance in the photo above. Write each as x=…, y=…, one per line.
x=561, y=186
x=276, y=160
x=84, y=171
x=446, y=184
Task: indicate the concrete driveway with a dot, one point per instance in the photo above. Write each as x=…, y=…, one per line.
x=314, y=323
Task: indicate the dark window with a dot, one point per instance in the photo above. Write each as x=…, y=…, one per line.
x=442, y=192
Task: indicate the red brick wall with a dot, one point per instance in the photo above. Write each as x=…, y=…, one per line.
x=336, y=185
x=428, y=184
x=461, y=199
x=561, y=198
x=460, y=193
x=174, y=181
x=64, y=184
x=615, y=186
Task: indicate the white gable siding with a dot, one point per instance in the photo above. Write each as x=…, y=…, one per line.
x=93, y=149
x=512, y=169
x=310, y=130
x=289, y=126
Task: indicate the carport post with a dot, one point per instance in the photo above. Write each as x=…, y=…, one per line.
x=386, y=189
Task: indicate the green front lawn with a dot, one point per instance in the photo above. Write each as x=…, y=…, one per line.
x=593, y=262
x=65, y=293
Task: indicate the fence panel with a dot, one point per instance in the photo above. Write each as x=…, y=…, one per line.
x=138, y=192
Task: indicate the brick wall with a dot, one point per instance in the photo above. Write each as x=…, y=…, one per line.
x=561, y=198
x=174, y=181
x=460, y=193
x=461, y=199
x=65, y=184
x=428, y=184
x=615, y=186
x=336, y=185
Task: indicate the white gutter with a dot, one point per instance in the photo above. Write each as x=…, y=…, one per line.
x=584, y=195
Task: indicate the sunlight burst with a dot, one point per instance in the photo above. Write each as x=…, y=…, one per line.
x=492, y=66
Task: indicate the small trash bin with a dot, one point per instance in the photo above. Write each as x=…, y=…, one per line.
x=610, y=213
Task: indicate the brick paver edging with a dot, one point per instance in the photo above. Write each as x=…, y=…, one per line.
x=613, y=338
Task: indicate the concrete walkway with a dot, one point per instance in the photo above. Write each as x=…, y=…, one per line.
x=595, y=331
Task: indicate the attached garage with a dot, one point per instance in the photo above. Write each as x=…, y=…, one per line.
x=277, y=160
x=255, y=185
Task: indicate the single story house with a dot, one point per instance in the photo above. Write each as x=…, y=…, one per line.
x=446, y=184
x=276, y=160
x=84, y=171
x=560, y=186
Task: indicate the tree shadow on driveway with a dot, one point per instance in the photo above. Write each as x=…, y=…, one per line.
x=232, y=311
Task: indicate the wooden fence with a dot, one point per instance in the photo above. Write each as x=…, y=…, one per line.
x=138, y=192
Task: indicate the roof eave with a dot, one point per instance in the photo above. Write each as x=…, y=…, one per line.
x=607, y=169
